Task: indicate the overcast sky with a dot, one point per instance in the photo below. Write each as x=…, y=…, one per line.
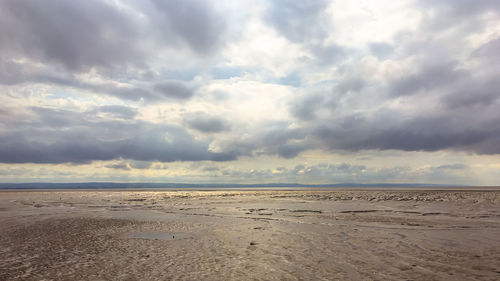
x=250, y=91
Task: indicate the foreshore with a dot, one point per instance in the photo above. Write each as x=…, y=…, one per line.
x=280, y=234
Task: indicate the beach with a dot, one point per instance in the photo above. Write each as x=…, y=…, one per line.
x=250, y=234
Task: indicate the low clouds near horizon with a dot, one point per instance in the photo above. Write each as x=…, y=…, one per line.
x=123, y=89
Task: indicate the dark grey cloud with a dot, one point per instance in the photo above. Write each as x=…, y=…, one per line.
x=81, y=35
x=267, y=138
x=299, y=21
x=205, y=123
x=50, y=42
x=421, y=133
x=60, y=136
x=350, y=84
x=489, y=51
x=306, y=23
x=13, y=73
x=479, y=94
x=273, y=138
x=279, y=139
x=305, y=108
x=118, y=166
x=308, y=105
x=76, y=35
x=478, y=90
x=427, y=77
x=290, y=150
x=174, y=90
x=195, y=22
x=466, y=118
x=389, y=132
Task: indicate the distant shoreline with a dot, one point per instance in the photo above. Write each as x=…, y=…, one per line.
x=250, y=189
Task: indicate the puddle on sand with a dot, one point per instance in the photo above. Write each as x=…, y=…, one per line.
x=154, y=235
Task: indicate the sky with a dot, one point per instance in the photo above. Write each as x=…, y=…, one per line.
x=256, y=91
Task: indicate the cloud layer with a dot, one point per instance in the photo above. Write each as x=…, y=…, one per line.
x=167, y=81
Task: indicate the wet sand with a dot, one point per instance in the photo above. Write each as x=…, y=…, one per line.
x=250, y=235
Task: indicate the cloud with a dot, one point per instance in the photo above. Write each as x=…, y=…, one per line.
x=266, y=138
x=195, y=22
x=456, y=166
x=381, y=49
x=324, y=169
x=426, y=78
x=480, y=93
x=393, y=129
x=75, y=35
x=278, y=138
x=210, y=169
x=429, y=133
x=129, y=165
x=328, y=54
x=450, y=13
x=298, y=21
x=350, y=84
x=432, y=99
x=305, y=108
x=14, y=73
x=174, y=90
x=488, y=52
x=136, y=83
x=79, y=36
x=119, y=166
x=141, y=165
x=115, y=111
x=205, y=123
x=17, y=72
x=16, y=172
x=57, y=136
x=330, y=173
x=307, y=24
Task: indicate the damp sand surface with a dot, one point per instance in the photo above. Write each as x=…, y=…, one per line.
x=154, y=235
x=250, y=235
